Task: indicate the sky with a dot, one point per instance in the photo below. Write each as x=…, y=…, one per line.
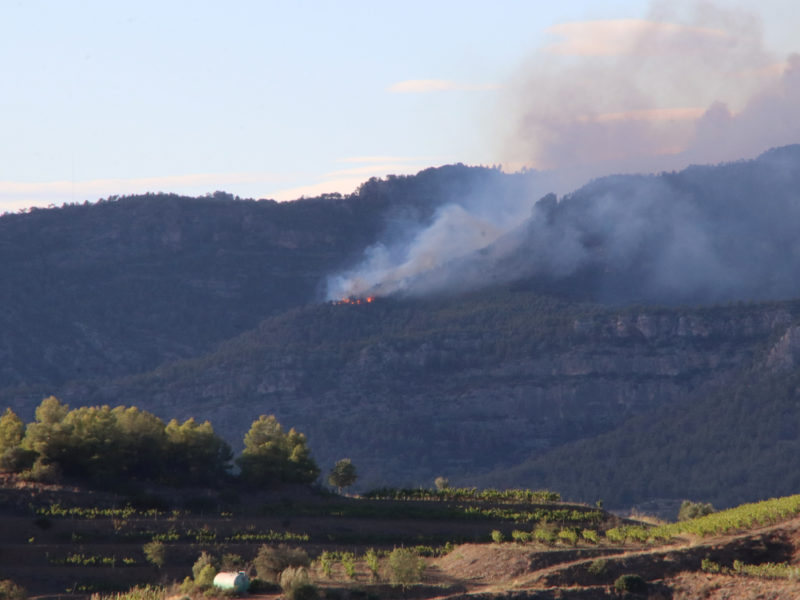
x=268, y=99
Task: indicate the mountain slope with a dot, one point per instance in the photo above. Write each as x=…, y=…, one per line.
x=415, y=389
x=737, y=443
x=118, y=287
x=101, y=302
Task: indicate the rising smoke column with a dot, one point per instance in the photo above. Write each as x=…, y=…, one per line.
x=681, y=87
x=625, y=97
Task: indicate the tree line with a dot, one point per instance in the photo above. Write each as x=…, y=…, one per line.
x=104, y=445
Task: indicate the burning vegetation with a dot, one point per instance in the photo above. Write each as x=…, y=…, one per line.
x=354, y=301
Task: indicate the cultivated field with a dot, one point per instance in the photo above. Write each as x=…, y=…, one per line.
x=59, y=540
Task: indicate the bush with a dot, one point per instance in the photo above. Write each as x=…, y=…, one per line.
x=497, y=536
x=545, y=533
x=326, y=563
x=146, y=592
x=590, y=535
x=406, y=567
x=259, y=586
x=373, y=563
x=615, y=535
x=11, y=591
x=630, y=583
x=709, y=566
x=691, y=510
x=232, y=562
x=598, y=566
x=155, y=553
x=202, y=561
x=521, y=537
x=296, y=584
x=272, y=560
x=204, y=570
x=348, y=561
x=205, y=578
x=568, y=535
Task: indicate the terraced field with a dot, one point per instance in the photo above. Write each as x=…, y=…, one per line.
x=58, y=540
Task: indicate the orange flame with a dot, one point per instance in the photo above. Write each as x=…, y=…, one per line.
x=354, y=301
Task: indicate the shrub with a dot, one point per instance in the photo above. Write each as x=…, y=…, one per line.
x=326, y=563
x=146, y=592
x=296, y=584
x=259, y=586
x=692, y=510
x=155, y=553
x=204, y=560
x=630, y=583
x=348, y=561
x=232, y=562
x=406, y=567
x=11, y=591
x=598, y=566
x=373, y=563
x=709, y=566
x=497, y=536
x=272, y=560
x=590, y=535
x=441, y=483
x=545, y=533
x=205, y=579
x=568, y=535
x=521, y=537
x=615, y=535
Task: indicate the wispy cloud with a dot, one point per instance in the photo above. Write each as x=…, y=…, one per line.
x=388, y=159
x=424, y=86
x=343, y=185
x=373, y=169
x=345, y=181
x=622, y=36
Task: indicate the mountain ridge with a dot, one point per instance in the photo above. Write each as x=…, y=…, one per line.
x=210, y=307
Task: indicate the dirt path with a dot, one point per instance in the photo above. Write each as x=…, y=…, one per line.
x=488, y=569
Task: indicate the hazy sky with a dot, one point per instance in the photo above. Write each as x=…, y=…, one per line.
x=270, y=99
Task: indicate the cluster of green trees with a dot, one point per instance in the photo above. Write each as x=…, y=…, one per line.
x=107, y=445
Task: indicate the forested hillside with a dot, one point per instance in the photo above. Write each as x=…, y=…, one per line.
x=412, y=390
x=120, y=286
x=730, y=445
x=639, y=328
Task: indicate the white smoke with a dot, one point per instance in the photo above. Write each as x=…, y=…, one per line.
x=455, y=232
x=697, y=85
x=680, y=88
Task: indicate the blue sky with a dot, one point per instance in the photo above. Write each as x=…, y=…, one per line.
x=275, y=99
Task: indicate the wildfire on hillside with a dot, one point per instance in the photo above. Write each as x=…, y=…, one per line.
x=354, y=301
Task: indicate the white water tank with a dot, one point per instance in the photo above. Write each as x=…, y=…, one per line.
x=231, y=580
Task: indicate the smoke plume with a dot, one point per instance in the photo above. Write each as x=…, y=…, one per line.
x=630, y=96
